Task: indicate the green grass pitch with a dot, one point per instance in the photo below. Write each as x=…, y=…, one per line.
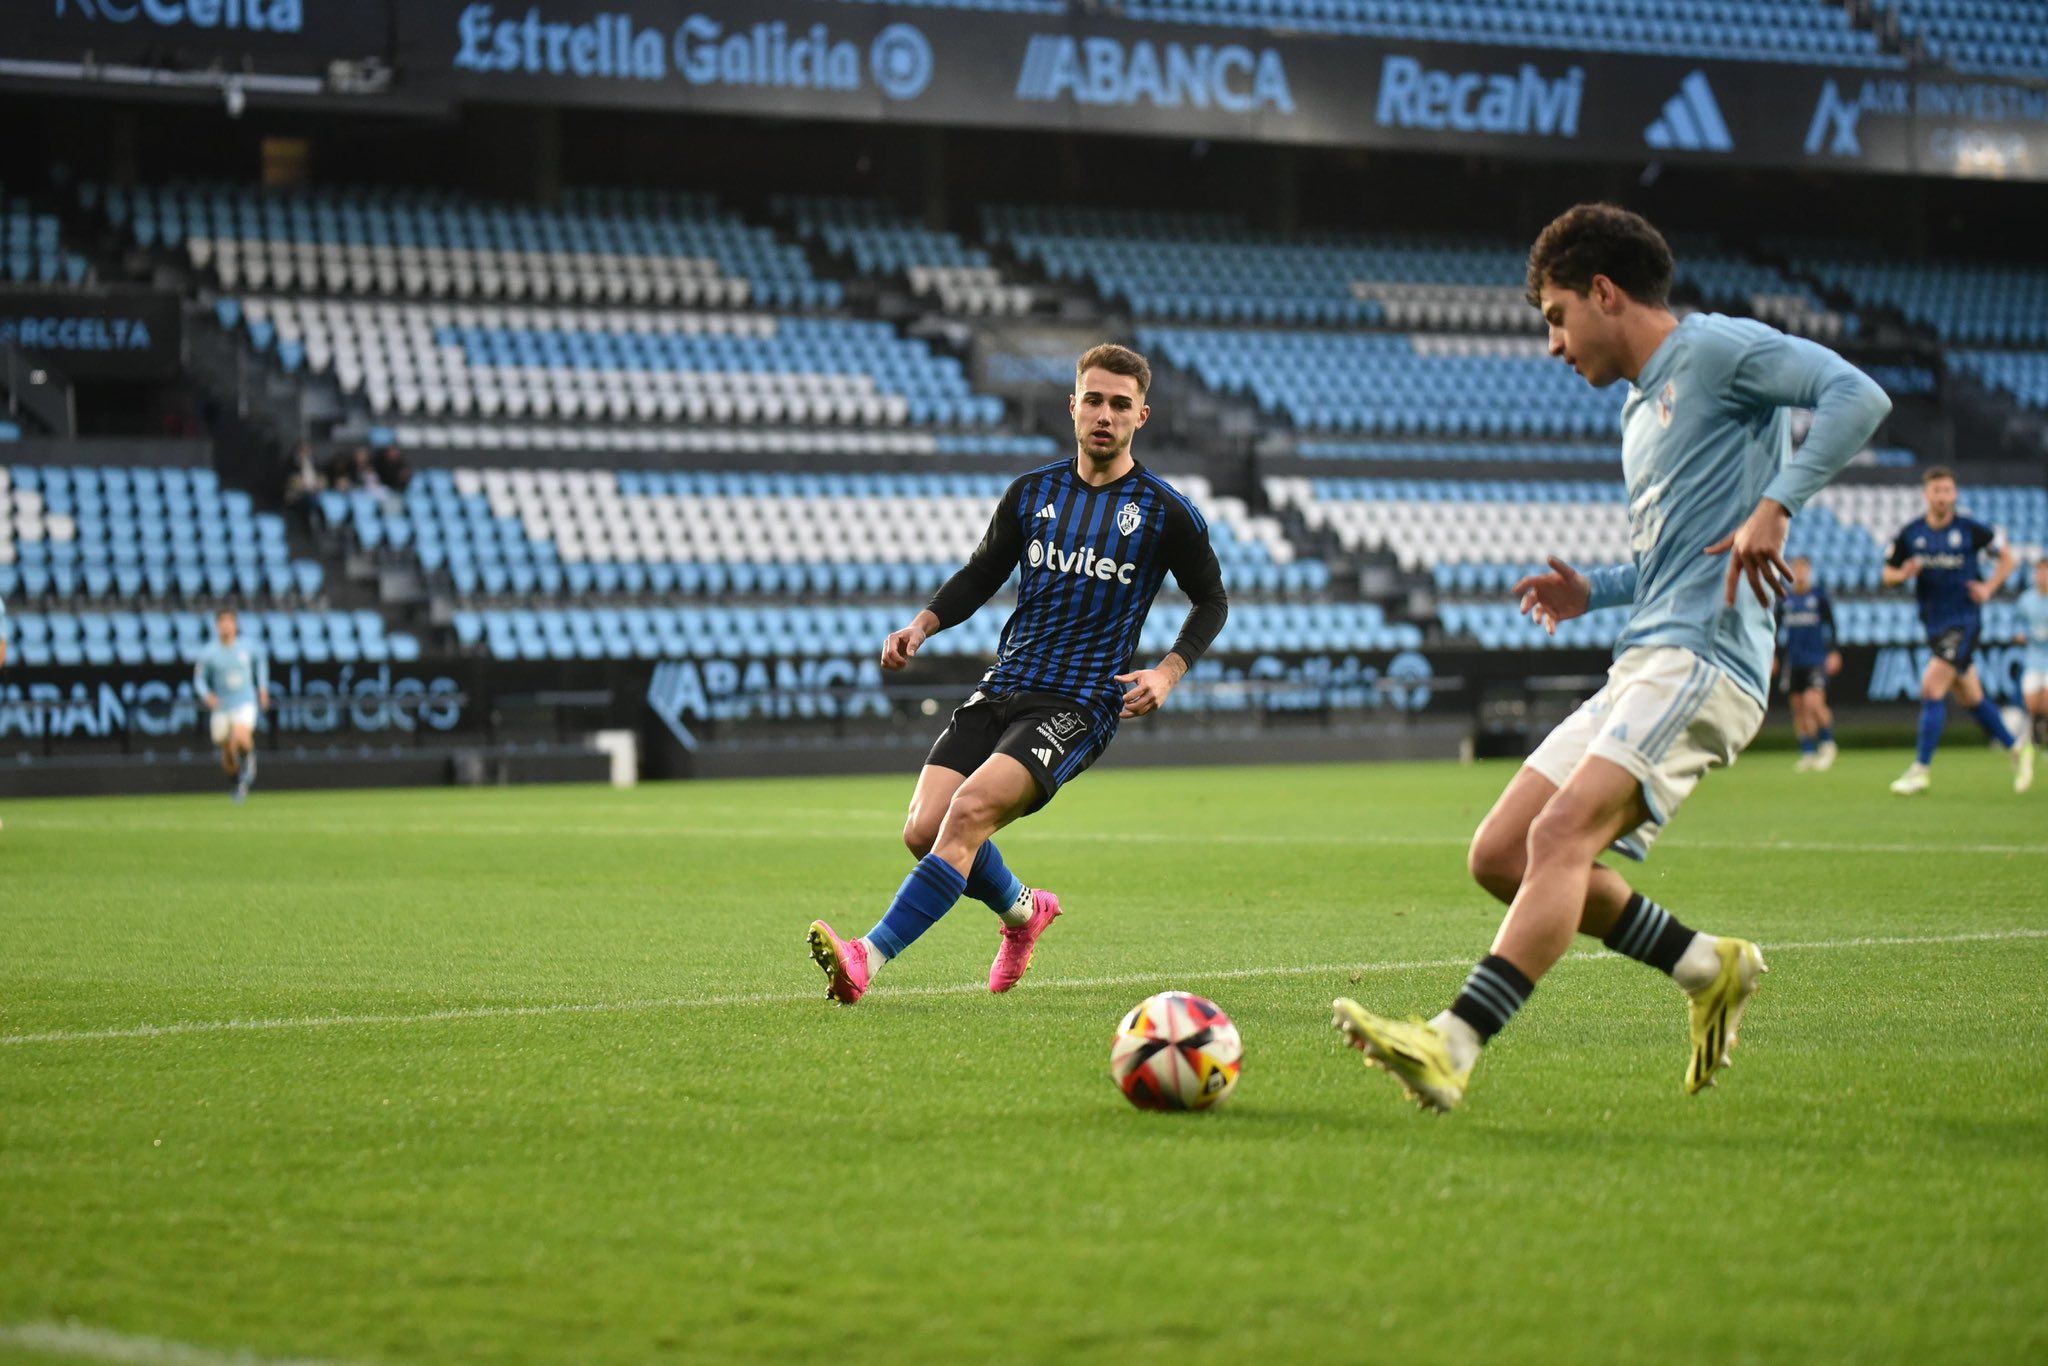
x=547, y=1075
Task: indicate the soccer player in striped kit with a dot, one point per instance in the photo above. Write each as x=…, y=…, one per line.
x=1091, y=538
x=1939, y=553
x=1806, y=639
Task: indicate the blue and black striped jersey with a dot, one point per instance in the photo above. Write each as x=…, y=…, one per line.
x=1948, y=566
x=1090, y=561
x=1806, y=628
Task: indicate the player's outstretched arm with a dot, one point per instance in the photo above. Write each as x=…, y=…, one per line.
x=1985, y=590
x=1564, y=592
x=961, y=596
x=1756, y=551
x=1149, y=687
x=1192, y=562
x=1900, y=564
x=901, y=646
x=1777, y=371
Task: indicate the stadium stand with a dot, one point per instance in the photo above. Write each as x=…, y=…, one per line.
x=1475, y=538
x=602, y=246
x=881, y=242
x=164, y=638
x=493, y=532
x=2023, y=374
x=1755, y=30
x=1729, y=282
x=1982, y=37
x=115, y=534
x=661, y=323
x=491, y=361
x=1999, y=305
x=638, y=307
x=1378, y=384
x=754, y=632
x=32, y=250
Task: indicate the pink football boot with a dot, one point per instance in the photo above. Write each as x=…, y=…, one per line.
x=845, y=962
x=1015, y=955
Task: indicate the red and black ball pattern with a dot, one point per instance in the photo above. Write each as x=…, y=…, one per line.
x=1176, y=1051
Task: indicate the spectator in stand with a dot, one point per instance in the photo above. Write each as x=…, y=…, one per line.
x=303, y=476
x=356, y=471
x=341, y=471
x=393, y=470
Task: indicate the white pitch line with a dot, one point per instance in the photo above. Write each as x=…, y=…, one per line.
x=260, y=1025
x=74, y=1339
x=884, y=834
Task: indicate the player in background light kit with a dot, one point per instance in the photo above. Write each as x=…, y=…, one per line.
x=233, y=680
x=1706, y=451
x=1091, y=538
x=1806, y=638
x=2034, y=632
x=3, y=634
x=1939, y=552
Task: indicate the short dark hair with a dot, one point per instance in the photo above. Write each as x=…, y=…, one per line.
x=1601, y=239
x=223, y=614
x=1118, y=360
x=1934, y=472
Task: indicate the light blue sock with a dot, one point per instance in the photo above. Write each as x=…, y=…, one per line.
x=1987, y=715
x=991, y=882
x=1933, y=716
x=926, y=895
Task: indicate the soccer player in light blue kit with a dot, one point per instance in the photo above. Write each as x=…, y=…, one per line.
x=1939, y=553
x=3, y=635
x=1712, y=487
x=233, y=680
x=2034, y=633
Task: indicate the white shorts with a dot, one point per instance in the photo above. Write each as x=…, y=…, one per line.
x=1667, y=716
x=227, y=718
x=2035, y=680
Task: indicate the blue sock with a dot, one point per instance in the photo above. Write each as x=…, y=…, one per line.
x=1827, y=735
x=1933, y=716
x=1808, y=744
x=1986, y=714
x=928, y=893
x=990, y=881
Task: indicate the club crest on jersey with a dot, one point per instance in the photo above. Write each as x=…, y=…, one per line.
x=1127, y=518
x=1666, y=402
x=1061, y=729
x=1955, y=538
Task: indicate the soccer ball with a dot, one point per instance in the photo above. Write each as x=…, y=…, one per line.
x=1176, y=1051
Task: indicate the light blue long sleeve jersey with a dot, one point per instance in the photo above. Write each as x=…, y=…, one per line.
x=2034, y=621
x=1705, y=437
x=233, y=673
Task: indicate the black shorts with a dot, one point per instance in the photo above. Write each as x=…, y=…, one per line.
x=1955, y=646
x=1055, y=737
x=1800, y=679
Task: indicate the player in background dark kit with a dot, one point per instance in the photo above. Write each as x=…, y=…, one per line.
x=1939, y=551
x=1091, y=539
x=1807, y=653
